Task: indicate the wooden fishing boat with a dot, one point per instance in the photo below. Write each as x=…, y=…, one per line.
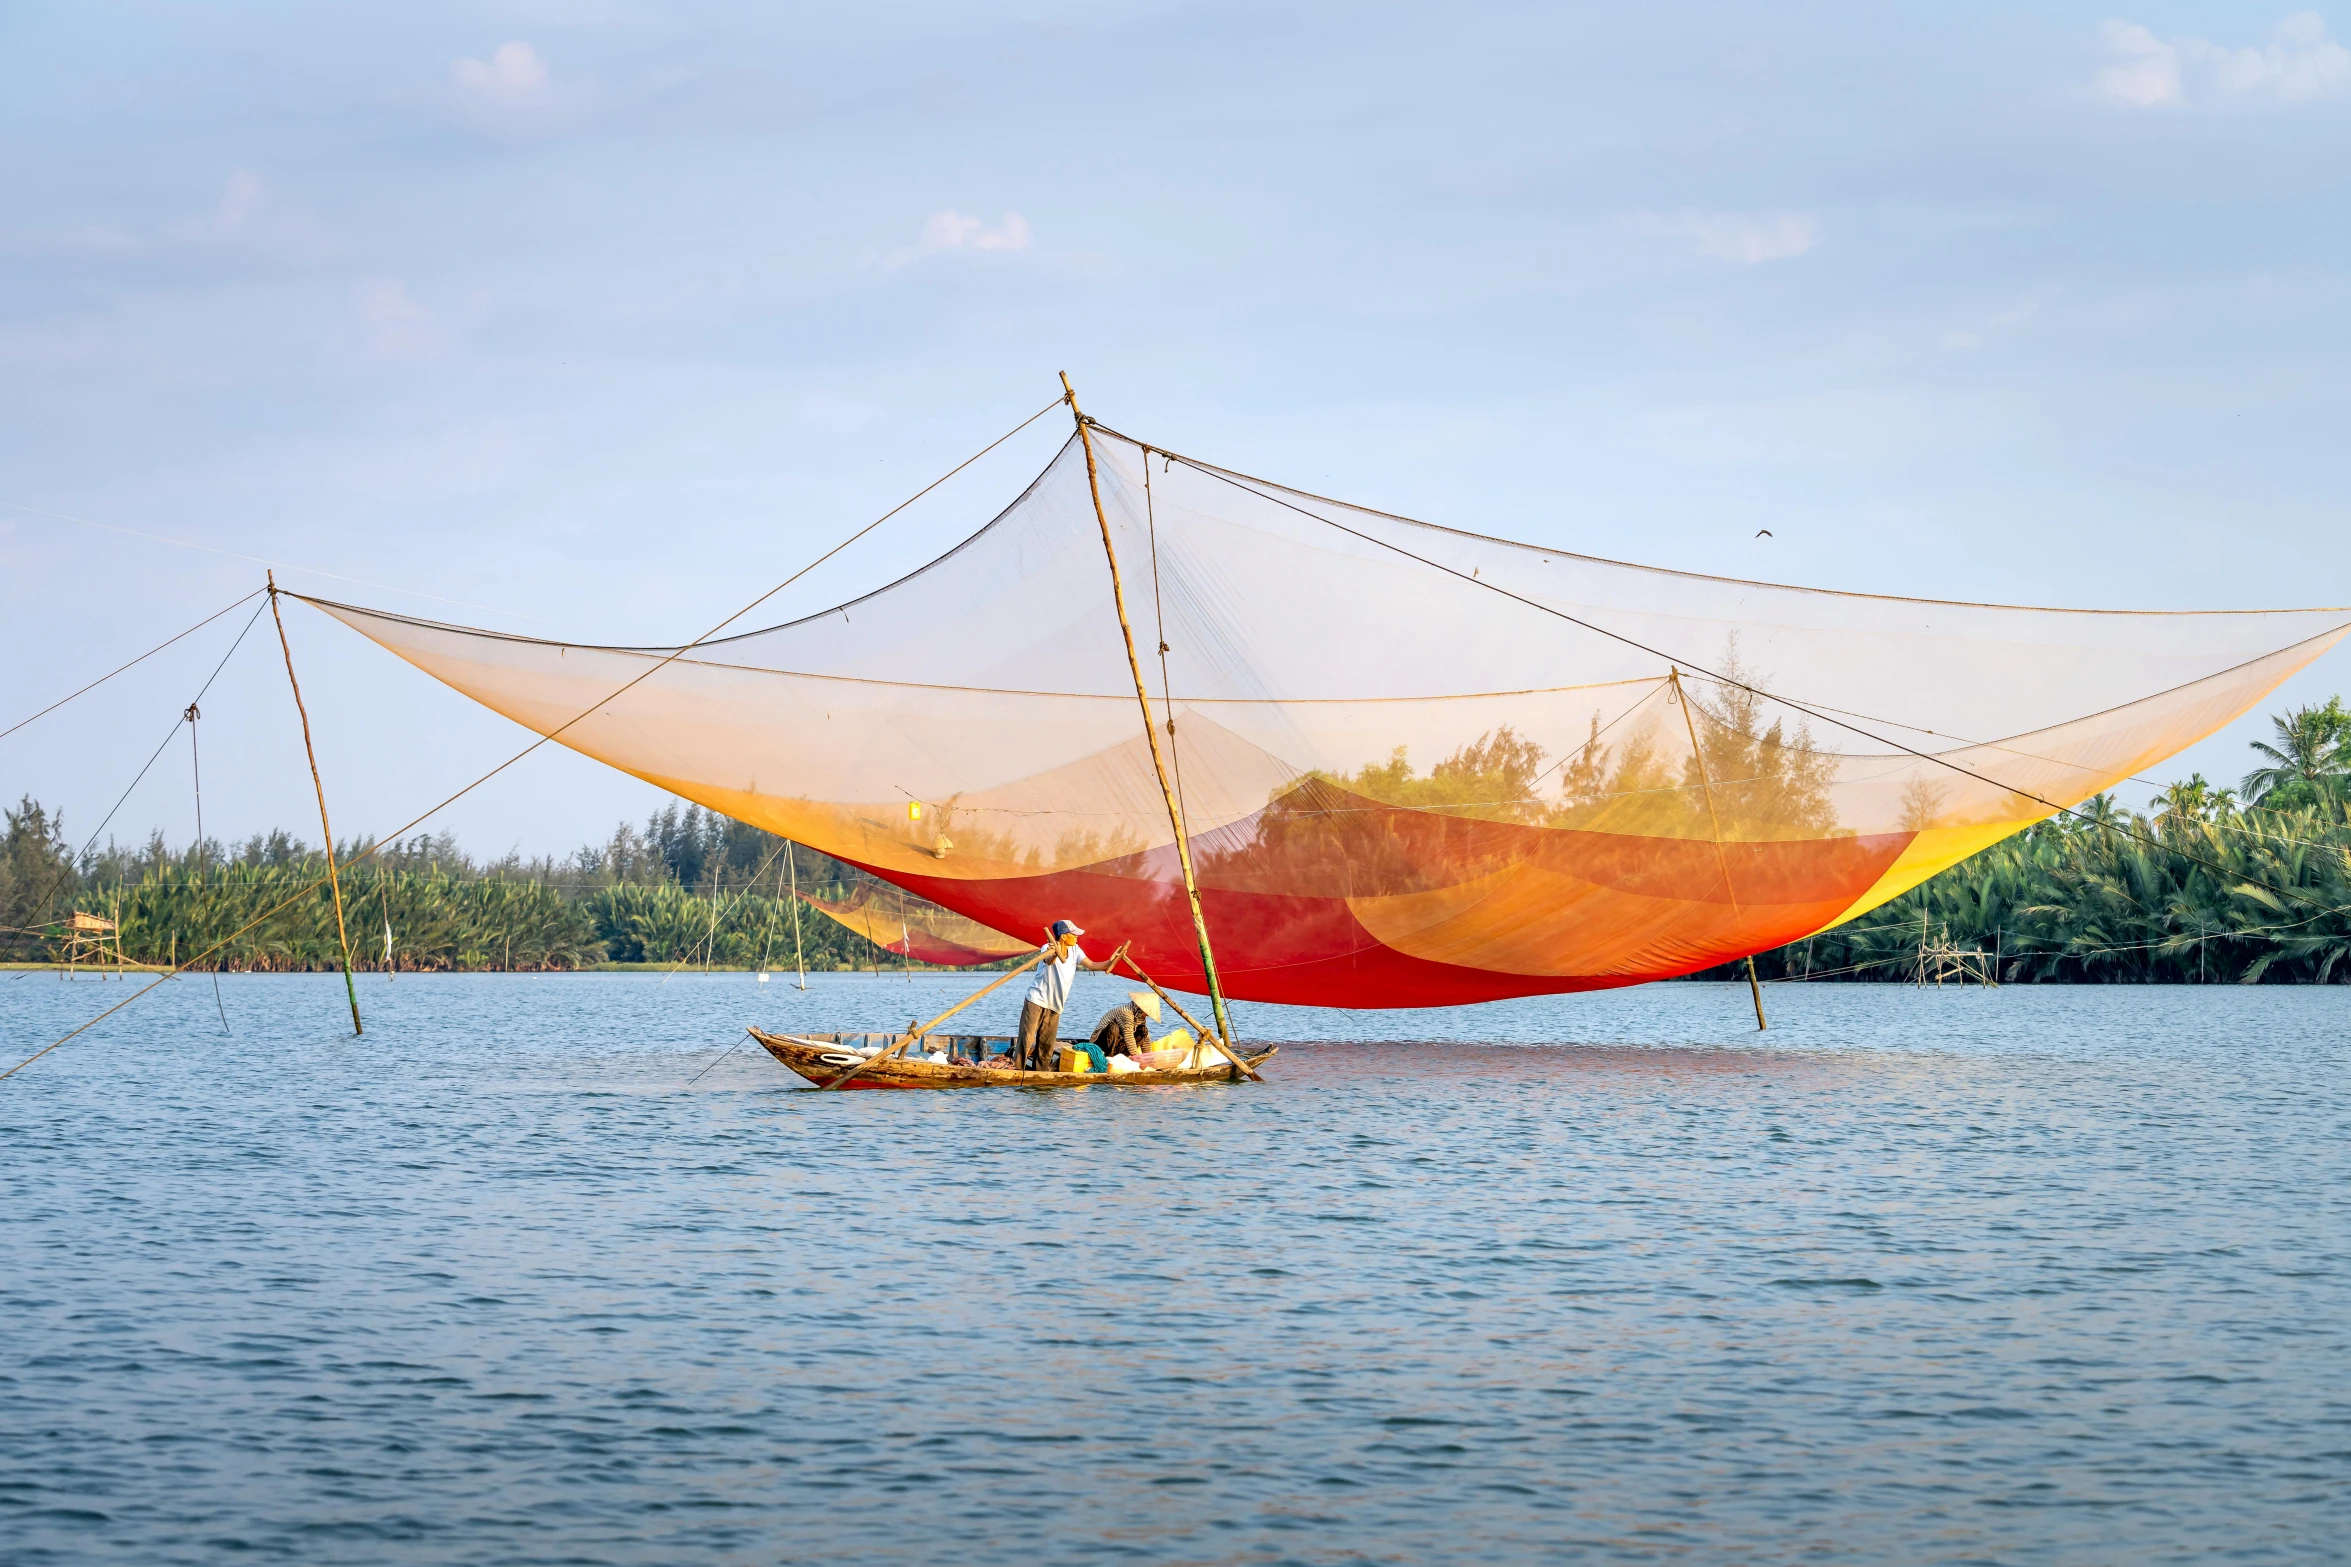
x=822, y=1057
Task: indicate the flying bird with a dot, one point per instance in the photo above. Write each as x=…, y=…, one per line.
x=1763, y=533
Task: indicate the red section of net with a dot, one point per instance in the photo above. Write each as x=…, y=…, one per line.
x=1605, y=909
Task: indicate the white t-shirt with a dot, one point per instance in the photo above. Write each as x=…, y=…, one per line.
x=1051, y=991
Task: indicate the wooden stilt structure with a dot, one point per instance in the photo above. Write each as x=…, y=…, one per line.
x=334, y=875
x=93, y=937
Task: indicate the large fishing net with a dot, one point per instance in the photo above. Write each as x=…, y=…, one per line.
x=1418, y=766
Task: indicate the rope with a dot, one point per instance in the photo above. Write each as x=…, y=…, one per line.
x=2213, y=822
x=749, y=886
x=435, y=810
x=730, y=1050
x=66, y=869
x=1159, y=630
x=110, y=674
x=196, y=774
x=1722, y=679
x=1549, y=554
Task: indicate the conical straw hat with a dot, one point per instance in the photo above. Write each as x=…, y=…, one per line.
x=1147, y=1001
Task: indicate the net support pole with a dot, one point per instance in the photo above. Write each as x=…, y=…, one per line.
x=799, y=952
x=334, y=876
x=1175, y=812
x=1706, y=788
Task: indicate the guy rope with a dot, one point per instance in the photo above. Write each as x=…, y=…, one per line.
x=598, y=705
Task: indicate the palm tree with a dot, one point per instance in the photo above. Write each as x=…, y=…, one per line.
x=2100, y=810
x=2186, y=802
x=2309, y=754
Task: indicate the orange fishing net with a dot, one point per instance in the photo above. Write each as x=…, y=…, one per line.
x=1418, y=766
x=918, y=928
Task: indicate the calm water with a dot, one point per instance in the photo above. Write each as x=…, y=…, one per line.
x=2034, y=1275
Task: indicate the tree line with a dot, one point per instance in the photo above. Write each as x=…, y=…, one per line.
x=2211, y=885
x=690, y=887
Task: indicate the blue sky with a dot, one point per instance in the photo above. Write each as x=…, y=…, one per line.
x=601, y=318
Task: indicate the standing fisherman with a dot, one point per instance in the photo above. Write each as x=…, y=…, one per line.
x=1040, y=1015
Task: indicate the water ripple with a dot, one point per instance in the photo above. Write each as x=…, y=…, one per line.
x=2027, y=1276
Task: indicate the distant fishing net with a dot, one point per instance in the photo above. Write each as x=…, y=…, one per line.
x=1403, y=786
x=916, y=928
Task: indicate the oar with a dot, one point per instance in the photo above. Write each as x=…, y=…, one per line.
x=1195, y=1022
x=885, y=1055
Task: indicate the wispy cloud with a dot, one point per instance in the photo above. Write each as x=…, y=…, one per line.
x=954, y=231
x=387, y=325
x=513, y=90
x=2299, y=63
x=247, y=217
x=1730, y=236
x=945, y=232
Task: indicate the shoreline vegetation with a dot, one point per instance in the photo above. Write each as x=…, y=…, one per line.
x=692, y=888
x=2206, y=887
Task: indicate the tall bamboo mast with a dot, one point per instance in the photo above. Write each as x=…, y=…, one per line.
x=1175, y=812
x=334, y=876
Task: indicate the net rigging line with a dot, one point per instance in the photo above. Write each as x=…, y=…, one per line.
x=141, y=659
x=196, y=775
x=1244, y=483
x=2214, y=822
x=750, y=888
x=65, y=870
x=673, y=657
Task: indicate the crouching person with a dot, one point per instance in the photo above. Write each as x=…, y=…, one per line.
x=1125, y=1030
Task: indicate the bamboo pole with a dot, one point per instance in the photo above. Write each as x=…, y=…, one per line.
x=921, y=1029
x=1175, y=812
x=1239, y=1065
x=1706, y=788
x=799, y=952
x=334, y=876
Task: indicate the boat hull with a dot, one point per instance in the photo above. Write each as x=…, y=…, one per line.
x=822, y=1057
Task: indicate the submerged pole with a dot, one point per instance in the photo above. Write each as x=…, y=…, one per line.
x=1175, y=812
x=334, y=876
